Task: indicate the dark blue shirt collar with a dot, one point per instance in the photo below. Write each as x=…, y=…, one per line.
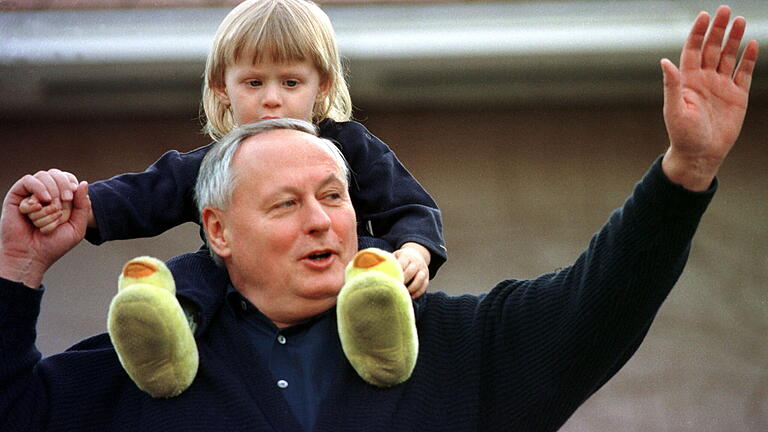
x=302, y=359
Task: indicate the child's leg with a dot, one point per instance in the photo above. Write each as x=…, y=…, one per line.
x=195, y=274
x=149, y=330
x=376, y=320
x=152, y=324
x=365, y=241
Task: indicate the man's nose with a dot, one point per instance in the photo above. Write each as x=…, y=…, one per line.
x=316, y=217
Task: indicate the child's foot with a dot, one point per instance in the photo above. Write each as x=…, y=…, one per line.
x=376, y=323
x=149, y=330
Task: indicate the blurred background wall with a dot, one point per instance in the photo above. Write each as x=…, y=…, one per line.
x=527, y=121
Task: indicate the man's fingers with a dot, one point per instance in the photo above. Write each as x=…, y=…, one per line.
x=743, y=75
x=691, y=55
x=672, y=94
x=63, y=183
x=81, y=207
x=32, y=185
x=731, y=47
x=72, y=180
x=50, y=184
x=710, y=58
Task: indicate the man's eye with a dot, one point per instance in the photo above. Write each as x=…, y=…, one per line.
x=254, y=83
x=282, y=205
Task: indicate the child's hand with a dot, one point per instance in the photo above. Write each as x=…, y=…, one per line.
x=45, y=217
x=57, y=196
x=414, y=259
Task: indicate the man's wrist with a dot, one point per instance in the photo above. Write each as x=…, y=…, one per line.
x=21, y=270
x=694, y=174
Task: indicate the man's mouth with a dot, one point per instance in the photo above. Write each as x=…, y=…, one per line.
x=319, y=256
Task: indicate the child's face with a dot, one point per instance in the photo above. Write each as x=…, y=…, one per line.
x=271, y=90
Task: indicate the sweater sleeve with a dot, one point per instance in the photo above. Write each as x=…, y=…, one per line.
x=569, y=332
x=21, y=404
x=386, y=197
x=148, y=203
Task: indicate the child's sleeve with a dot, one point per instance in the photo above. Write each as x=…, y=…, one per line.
x=387, y=198
x=148, y=203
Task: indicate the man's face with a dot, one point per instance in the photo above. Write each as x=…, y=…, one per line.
x=271, y=90
x=290, y=226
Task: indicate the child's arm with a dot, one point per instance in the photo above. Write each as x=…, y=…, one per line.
x=132, y=205
x=389, y=201
x=147, y=203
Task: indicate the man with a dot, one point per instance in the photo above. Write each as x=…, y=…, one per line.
x=522, y=357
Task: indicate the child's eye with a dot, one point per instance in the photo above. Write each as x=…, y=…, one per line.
x=291, y=83
x=254, y=83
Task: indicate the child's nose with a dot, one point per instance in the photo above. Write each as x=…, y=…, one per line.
x=272, y=96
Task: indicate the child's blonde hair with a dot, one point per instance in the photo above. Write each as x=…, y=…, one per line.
x=280, y=31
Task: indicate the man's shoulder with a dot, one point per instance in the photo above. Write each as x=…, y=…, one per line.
x=93, y=343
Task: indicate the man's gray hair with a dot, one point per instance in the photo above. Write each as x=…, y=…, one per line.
x=216, y=180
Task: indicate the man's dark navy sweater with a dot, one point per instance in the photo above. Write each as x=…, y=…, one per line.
x=522, y=357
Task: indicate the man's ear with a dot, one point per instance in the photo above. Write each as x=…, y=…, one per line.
x=215, y=230
x=221, y=93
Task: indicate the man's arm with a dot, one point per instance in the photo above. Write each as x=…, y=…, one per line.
x=554, y=340
x=571, y=331
x=25, y=255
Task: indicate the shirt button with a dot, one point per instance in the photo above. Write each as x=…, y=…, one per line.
x=243, y=305
x=281, y=339
x=282, y=384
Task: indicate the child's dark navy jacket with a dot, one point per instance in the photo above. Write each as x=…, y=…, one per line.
x=386, y=197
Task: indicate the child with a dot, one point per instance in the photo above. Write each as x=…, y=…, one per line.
x=269, y=59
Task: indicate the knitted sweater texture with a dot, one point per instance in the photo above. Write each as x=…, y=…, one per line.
x=522, y=357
